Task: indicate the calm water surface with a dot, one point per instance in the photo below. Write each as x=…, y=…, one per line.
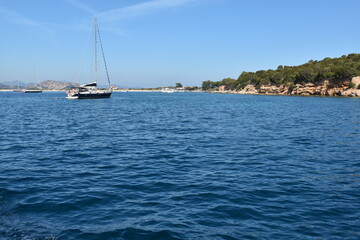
x=179, y=166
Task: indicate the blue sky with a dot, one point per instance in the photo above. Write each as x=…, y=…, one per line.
x=150, y=43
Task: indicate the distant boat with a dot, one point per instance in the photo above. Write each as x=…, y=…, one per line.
x=90, y=91
x=18, y=88
x=31, y=91
x=168, y=90
x=26, y=90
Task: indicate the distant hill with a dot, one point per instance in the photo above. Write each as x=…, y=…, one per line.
x=16, y=84
x=54, y=85
x=3, y=86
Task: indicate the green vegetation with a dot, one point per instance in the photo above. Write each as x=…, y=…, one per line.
x=333, y=69
x=229, y=83
x=195, y=88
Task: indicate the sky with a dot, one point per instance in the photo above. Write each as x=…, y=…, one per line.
x=154, y=43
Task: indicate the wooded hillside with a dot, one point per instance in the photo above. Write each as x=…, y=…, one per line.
x=333, y=69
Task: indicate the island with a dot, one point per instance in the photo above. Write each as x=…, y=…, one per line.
x=328, y=77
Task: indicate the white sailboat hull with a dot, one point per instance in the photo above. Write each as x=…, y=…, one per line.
x=94, y=94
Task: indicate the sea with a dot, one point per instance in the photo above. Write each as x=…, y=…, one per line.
x=179, y=166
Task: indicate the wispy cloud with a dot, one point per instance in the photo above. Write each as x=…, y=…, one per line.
x=113, y=16
x=18, y=19
x=140, y=9
x=82, y=6
x=129, y=11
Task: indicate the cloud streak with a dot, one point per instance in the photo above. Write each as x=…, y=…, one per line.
x=140, y=9
x=113, y=16
x=18, y=19
x=82, y=6
x=129, y=11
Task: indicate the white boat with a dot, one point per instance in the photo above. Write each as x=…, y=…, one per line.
x=31, y=91
x=90, y=91
x=168, y=90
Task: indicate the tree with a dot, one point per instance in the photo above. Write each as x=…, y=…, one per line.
x=178, y=85
x=207, y=85
x=343, y=73
x=304, y=76
x=228, y=82
x=276, y=78
x=191, y=88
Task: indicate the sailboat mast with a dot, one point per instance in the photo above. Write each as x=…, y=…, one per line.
x=103, y=55
x=95, y=51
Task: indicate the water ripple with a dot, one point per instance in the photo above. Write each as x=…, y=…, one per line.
x=179, y=166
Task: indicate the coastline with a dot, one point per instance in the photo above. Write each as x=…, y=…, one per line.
x=273, y=94
x=44, y=90
x=347, y=93
x=326, y=88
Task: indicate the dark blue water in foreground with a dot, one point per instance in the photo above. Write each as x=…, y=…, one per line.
x=179, y=166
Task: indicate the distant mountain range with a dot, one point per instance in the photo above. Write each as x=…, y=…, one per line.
x=16, y=83
x=45, y=85
x=54, y=85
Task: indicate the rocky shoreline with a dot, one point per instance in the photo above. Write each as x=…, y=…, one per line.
x=326, y=88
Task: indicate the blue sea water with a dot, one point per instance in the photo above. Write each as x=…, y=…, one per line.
x=179, y=166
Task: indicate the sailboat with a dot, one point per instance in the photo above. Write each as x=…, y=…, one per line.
x=18, y=87
x=90, y=90
x=31, y=91
x=26, y=90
